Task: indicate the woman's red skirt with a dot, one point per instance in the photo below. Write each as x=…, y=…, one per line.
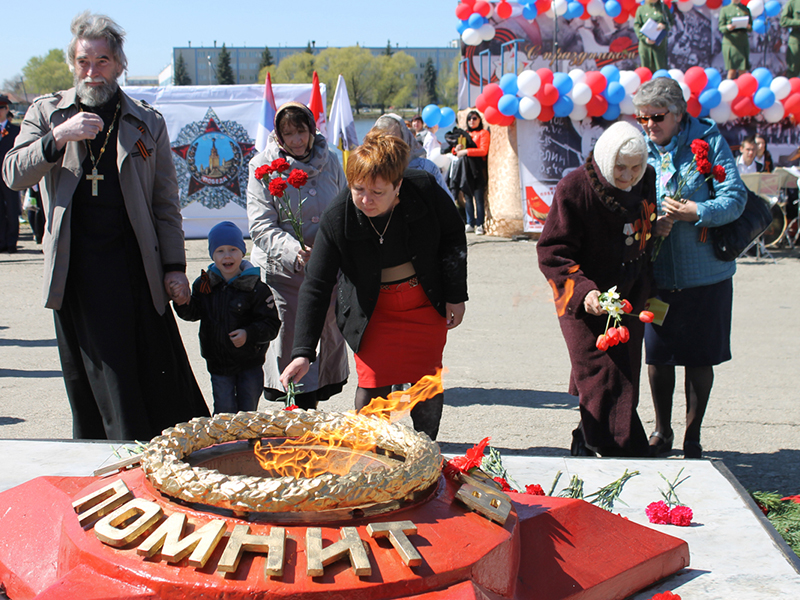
x=404, y=339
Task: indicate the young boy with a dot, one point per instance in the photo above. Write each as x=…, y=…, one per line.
x=238, y=319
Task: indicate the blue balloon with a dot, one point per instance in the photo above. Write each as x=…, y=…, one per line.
x=462, y=27
x=764, y=98
x=662, y=73
x=611, y=73
x=726, y=2
x=448, y=117
x=714, y=79
x=476, y=20
x=530, y=12
x=431, y=115
x=563, y=106
x=763, y=76
x=613, y=8
x=614, y=93
x=574, y=10
x=508, y=83
x=710, y=98
x=772, y=8
x=760, y=25
x=704, y=112
x=508, y=105
x=563, y=83
x=612, y=112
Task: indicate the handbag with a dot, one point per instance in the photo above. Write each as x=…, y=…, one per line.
x=731, y=239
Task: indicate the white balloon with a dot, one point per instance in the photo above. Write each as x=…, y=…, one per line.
x=471, y=37
x=579, y=113
x=529, y=108
x=781, y=87
x=728, y=90
x=685, y=6
x=756, y=7
x=581, y=94
x=486, y=31
x=774, y=113
x=560, y=7
x=676, y=74
x=596, y=8
x=627, y=107
x=630, y=80
x=687, y=93
x=699, y=2
x=528, y=83
x=577, y=76
x=550, y=12
x=516, y=9
x=721, y=113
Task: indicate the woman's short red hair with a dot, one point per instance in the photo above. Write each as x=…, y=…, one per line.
x=380, y=155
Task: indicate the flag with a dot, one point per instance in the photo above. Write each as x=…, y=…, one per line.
x=343, y=127
x=266, y=120
x=316, y=107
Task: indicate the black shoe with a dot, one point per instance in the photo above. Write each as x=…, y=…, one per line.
x=663, y=443
x=692, y=449
x=578, y=447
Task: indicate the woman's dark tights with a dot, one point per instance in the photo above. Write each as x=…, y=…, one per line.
x=425, y=415
x=698, y=383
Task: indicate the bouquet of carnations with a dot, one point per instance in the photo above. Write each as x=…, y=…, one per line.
x=272, y=176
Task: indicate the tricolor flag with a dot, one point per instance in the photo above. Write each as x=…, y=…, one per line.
x=316, y=107
x=266, y=120
x=343, y=127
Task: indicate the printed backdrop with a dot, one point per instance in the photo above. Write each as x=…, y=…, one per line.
x=212, y=131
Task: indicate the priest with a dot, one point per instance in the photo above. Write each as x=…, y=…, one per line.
x=114, y=248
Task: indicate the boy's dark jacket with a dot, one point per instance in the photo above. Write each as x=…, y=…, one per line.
x=245, y=302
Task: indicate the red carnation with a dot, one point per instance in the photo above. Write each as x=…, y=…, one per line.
x=504, y=484
x=297, y=178
x=719, y=173
x=658, y=513
x=473, y=457
x=681, y=516
x=263, y=171
x=277, y=186
x=291, y=407
x=699, y=149
x=534, y=490
x=646, y=316
x=703, y=166
x=666, y=596
x=280, y=165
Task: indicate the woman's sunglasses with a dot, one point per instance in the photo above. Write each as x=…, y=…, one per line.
x=653, y=118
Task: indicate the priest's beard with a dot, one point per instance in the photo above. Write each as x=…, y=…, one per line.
x=95, y=95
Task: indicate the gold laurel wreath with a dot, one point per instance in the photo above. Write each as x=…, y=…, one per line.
x=163, y=465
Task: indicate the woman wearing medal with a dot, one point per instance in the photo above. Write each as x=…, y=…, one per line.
x=398, y=241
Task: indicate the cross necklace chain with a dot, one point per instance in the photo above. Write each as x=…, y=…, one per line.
x=380, y=235
x=95, y=176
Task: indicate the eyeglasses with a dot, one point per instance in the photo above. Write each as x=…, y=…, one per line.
x=473, y=118
x=654, y=118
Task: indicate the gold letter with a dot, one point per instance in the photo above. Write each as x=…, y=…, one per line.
x=349, y=544
x=103, y=501
x=201, y=543
x=144, y=513
x=396, y=532
x=488, y=501
x=242, y=540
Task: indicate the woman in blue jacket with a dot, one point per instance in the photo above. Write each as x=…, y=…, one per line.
x=695, y=284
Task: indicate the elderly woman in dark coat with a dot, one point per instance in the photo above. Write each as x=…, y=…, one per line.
x=598, y=235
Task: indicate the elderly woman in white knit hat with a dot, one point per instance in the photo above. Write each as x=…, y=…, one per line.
x=599, y=234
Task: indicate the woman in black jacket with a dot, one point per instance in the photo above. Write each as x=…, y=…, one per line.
x=399, y=244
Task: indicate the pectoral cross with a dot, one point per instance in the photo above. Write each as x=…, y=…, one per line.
x=94, y=178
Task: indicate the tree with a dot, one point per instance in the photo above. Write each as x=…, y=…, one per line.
x=448, y=83
x=429, y=78
x=181, y=76
x=297, y=68
x=224, y=71
x=388, y=51
x=358, y=67
x=48, y=73
x=266, y=59
x=309, y=49
x=395, y=82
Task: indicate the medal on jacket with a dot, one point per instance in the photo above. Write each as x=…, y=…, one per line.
x=95, y=176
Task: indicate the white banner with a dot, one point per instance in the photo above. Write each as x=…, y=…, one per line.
x=212, y=132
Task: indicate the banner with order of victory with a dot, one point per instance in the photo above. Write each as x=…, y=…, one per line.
x=212, y=132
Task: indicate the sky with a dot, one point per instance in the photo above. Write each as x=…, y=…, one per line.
x=154, y=28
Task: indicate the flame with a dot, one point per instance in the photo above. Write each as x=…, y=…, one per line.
x=562, y=300
x=337, y=450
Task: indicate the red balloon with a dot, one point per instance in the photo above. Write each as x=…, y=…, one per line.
x=543, y=6
x=713, y=4
x=503, y=9
x=792, y=104
x=597, y=106
x=545, y=114
x=622, y=17
x=644, y=74
x=469, y=3
x=482, y=7
x=693, y=106
x=506, y=120
x=463, y=11
x=747, y=85
x=585, y=16
x=696, y=79
x=493, y=93
x=596, y=81
x=795, y=83
x=545, y=75
x=547, y=95
x=492, y=115
x=629, y=5
x=481, y=103
x=742, y=106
